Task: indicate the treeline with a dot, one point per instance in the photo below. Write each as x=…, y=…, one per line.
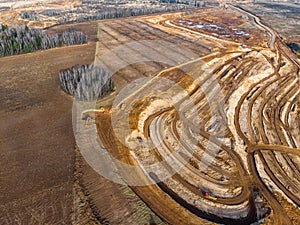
x=23, y=39
x=111, y=13
x=50, y=12
x=90, y=10
x=196, y=3
x=86, y=82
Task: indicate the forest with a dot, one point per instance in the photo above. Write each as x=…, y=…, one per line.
x=24, y=39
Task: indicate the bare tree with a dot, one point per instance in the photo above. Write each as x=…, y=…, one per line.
x=23, y=39
x=86, y=82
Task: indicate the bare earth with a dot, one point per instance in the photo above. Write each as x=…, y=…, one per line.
x=36, y=138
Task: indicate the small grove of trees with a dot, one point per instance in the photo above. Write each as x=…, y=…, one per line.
x=294, y=47
x=23, y=39
x=86, y=82
x=29, y=15
x=73, y=38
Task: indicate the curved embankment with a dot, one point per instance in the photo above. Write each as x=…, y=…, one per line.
x=246, y=78
x=249, y=219
x=186, y=181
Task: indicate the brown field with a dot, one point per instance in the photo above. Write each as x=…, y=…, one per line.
x=36, y=137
